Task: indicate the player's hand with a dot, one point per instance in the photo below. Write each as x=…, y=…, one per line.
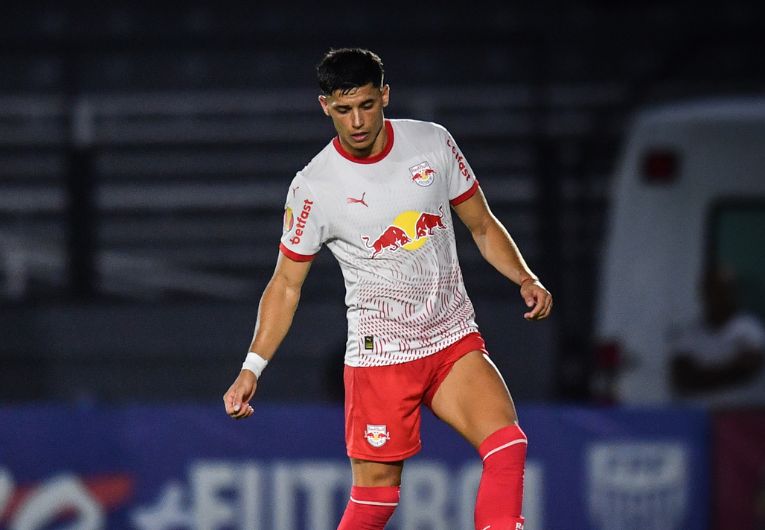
x=237, y=398
x=538, y=300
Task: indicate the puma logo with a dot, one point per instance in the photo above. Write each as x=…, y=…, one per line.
x=351, y=200
x=294, y=190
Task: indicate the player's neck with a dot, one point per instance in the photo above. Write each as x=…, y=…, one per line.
x=377, y=151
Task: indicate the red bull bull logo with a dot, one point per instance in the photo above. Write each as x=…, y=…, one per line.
x=427, y=222
x=409, y=230
x=392, y=238
x=376, y=435
x=422, y=174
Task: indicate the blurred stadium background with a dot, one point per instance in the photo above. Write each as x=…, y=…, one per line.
x=145, y=155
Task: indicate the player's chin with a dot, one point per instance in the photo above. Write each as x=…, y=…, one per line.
x=360, y=139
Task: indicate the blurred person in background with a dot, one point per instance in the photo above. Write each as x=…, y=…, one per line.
x=719, y=360
x=379, y=196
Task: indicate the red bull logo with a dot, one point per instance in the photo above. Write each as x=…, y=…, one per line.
x=427, y=222
x=422, y=174
x=376, y=435
x=409, y=230
x=392, y=238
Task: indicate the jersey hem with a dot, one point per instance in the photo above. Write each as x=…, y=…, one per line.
x=294, y=256
x=472, y=330
x=465, y=196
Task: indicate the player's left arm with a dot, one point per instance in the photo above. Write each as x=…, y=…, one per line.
x=498, y=248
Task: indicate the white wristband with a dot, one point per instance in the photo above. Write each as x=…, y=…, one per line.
x=254, y=363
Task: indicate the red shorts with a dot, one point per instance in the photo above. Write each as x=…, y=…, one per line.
x=382, y=403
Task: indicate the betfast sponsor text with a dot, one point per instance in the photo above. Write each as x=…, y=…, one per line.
x=460, y=159
x=301, y=221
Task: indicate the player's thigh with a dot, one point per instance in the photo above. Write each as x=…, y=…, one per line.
x=474, y=399
x=374, y=474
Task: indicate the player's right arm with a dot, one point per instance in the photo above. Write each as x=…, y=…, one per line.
x=275, y=312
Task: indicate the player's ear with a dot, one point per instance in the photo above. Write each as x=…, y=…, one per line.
x=385, y=95
x=324, y=104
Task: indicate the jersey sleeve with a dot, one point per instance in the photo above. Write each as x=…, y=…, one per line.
x=303, y=229
x=462, y=181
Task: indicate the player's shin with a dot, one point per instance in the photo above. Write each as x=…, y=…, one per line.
x=500, y=492
x=369, y=508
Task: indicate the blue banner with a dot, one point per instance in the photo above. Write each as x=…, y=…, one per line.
x=191, y=467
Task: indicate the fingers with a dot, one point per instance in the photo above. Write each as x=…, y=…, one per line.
x=245, y=412
x=540, y=302
x=233, y=400
x=534, y=313
x=237, y=399
x=238, y=410
x=235, y=407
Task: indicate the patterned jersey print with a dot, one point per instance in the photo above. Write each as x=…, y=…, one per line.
x=388, y=222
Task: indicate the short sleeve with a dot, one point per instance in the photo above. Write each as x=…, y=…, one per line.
x=303, y=230
x=462, y=181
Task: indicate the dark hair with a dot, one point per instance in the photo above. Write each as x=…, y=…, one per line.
x=347, y=68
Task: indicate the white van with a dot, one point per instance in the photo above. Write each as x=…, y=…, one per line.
x=688, y=190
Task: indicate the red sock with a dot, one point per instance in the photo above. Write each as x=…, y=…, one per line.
x=500, y=493
x=369, y=508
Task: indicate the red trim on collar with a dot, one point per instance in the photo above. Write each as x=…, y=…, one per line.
x=371, y=159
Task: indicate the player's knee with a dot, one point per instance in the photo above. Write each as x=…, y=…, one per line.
x=367, y=473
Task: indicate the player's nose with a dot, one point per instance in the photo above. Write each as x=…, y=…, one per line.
x=357, y=119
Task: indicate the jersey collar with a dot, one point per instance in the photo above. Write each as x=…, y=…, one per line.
x=371, y=159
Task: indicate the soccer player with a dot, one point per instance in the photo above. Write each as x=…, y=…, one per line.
x=379, y=196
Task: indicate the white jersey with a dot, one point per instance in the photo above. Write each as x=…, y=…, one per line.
x=387, y=221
